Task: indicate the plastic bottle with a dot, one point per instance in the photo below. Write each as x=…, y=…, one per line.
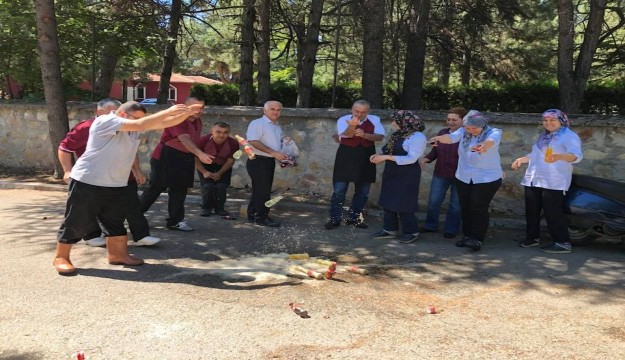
x=310, y=273
x=331, y=270
x=324, y=262
x=237, y=154
x=297, y=309
x=271, y=202
x=246, y=147
x=548, y=154
x=357, y=270
x=302, y=256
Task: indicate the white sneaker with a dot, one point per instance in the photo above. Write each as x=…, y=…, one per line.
x=182, y=226
x=148, y=241
x=96, y=242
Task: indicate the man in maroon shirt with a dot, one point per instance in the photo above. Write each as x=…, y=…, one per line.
x=215, y=177
x=446, y=157
x=74, y=145
x=172, y=164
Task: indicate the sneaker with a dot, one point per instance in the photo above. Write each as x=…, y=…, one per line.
x=408, y=238
x=529, y=243
x=96, y=242
x=330, y=225
x=473, y=244
x=557, y=248
x=205, y=213
x=148, y=241
x=222, y=212
x=383, y=234
x=267, y=222
x=357, y=223
x=181, y=226
x=462, y=242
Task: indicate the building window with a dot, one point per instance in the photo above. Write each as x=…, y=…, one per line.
x=173, y=93
x=139, y=92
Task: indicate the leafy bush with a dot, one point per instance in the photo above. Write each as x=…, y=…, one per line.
x=511, y=97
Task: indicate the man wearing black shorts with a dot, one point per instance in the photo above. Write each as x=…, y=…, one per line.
x=99, y=178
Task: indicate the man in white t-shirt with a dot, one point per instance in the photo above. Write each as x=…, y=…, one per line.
x=99, y=178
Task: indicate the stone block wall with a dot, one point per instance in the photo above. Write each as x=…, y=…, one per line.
x=24, y=143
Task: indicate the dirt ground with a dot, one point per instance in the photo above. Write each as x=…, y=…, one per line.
x=222, y=292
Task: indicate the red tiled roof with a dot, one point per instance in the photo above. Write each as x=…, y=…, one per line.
x=179, y=78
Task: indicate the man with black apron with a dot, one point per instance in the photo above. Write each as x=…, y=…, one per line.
x=357, y=133
x=173, y=165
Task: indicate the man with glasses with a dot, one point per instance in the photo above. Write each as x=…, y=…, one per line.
x=172, y=165
x=215, y=177
x=99, y=179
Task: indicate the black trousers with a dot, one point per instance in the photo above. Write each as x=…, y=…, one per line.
x=177, y=196
x=92, y=209
x=551, y=202
x=261, y=171
x=137, y=223
x=474, y=202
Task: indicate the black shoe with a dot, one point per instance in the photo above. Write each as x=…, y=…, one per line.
x=205, y=213
x=462, y=242
x=267, y=222
x=529, y=243
x=557, y=248
x=473, y=244
x=426, y=230
x=449, y=235
x=222, y=212
x=251, y=219
x=357, y=223
x=330, y=225
x=408, y=238
x=383, y=234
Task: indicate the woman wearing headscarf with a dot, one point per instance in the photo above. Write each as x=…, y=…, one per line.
x=399, y=194
x=478, y=176
x=547, y=178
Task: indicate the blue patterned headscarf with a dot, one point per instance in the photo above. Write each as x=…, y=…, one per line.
x=475, y=118
x=546, y=137
x=408, y=124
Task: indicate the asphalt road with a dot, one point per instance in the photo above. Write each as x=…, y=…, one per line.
x=223, y=292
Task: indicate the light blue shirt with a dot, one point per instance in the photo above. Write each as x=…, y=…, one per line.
x=556, y=175
x=267, y=132
x=341, y=124
x=474, y=166
x=414, y=146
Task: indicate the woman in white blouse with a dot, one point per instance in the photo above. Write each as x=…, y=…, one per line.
x=478, y=176
x=547, y=178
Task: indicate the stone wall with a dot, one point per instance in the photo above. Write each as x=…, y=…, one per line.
x=24, y=143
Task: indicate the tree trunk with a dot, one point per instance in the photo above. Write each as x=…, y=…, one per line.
x=308, y=43
x=467, y=58
x=445, y=51
x=246, y=80
x=373, y=52
x=573, y=77
x=170, y=51
x=264, y=65
x=415, y=54
x=50, y=60
x=106, y=75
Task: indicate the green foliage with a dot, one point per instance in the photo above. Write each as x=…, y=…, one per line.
x=226, y=94
x=513, y=97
